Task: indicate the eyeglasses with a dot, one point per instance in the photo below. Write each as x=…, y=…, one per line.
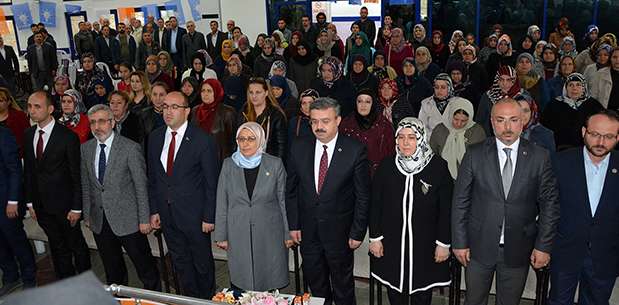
x=605, y=137
x=244, y=139
x=173, y=107
x=99, y=122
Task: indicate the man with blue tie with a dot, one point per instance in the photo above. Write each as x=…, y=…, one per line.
x=115, y=200
x=182, y=177
x=586, y=249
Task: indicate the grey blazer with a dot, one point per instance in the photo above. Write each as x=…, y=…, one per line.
x=255, y=229
x=531, y=209
x=123, y=196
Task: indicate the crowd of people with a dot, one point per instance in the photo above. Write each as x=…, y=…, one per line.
x=501, y=155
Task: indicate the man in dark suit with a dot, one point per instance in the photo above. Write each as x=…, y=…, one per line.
x=182, y=176
x=107, y=48
x=327, y=203
x=214, y=39
x=114, y=188
x=13, y=241
x=586, y=250
x=500, y=226
x=173, y=43
x=53, y=186
x=9, y=65
x=42, y=62
x=192, y=42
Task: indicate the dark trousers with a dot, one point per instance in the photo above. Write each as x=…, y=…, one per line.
x=192, y=258
x=42, y=79
x=510, y=281
x=328, y=270
x=14, y=246
x=136, y=244
x=593, y=290
x=177, y=59
x=417, y=298
x=68, y=247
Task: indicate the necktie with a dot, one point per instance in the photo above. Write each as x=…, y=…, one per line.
x=322, y=170
x=170, y=163
x=40, y=146
x=102, y=163
x=506, y=175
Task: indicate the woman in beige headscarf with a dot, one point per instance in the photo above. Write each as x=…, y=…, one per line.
x=457, y=131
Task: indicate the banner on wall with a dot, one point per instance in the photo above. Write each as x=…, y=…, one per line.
x=47, y=13
x=71, y=8
x=22, y=15
x=151, y=10
x=125, y=14
x=4, y=28
x=354, y=2
x=175, y=5
x=400, y=2
x=195, y=9
x=370, y=1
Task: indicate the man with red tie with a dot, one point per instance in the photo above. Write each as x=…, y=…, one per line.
x=182, y=176
x=327, y=202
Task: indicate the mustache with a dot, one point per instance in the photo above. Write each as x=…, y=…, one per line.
x=320, y=130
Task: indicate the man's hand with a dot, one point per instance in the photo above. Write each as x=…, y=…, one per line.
x=73, y=218
x=33, y=215
x=353, y=244
x=463, y=256
x=539, y=259
x=296, y=236
x=155, y=221
x=222, y=245
x=208, y=227
x=11, y=211
x=441, y=254
x=289, y=243
x=145, y=228
x=376, y=248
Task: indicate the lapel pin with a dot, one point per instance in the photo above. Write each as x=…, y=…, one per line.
x=186, y=138
x=524, y=153
x=268, y=174
x=339, y=149
x=614, y=170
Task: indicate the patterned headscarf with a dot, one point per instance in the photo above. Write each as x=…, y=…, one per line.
x=570, y=40
x=575, y=103
x=441, y=104
x=388, y=104
x=278, y=64
x=336, y=67
x=495, y=93
x=254, y=161
x=73, y=119
x=411, y=165
x=507, y=39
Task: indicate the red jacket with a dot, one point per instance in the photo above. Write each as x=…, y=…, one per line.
x=18, y=122
x=82, y=129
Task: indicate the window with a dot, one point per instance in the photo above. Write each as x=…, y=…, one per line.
x=514, y=16
x=607, y=18
x=448, y=16
x=8, y=33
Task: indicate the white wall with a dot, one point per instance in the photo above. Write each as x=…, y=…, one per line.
x=250, y=15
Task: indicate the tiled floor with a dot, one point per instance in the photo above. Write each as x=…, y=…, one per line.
x=45, y=275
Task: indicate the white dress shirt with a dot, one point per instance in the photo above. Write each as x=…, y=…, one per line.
x=214, y=38
x=502, y=160
x=180, y=133
x=3, y=52
x=318, y=155
x=108, y=147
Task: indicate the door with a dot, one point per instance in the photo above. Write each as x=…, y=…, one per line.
x=73, y=20
x=291, y=11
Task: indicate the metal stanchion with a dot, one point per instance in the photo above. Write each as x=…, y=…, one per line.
x=164, y=268
x=143, y=294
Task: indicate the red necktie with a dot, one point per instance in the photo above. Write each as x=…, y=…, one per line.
x=170, y=163
x=322, y=170
x=40, y=146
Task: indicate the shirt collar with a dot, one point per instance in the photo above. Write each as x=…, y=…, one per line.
x=588, y=160
x=500, y=145
x=330, y=143
x=108, y=142
x=180, y=130
x=48, y=128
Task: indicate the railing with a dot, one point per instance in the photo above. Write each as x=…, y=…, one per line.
x=167, y=298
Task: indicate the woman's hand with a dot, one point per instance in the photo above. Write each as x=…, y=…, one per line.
x=441, y=254
x=376, y=248
x=223, y=245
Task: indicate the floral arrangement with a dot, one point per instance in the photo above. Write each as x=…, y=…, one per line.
x=259, y=298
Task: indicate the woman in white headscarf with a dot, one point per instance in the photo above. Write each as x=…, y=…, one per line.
x=451, y=137
x=251, y=223
x=410, y=250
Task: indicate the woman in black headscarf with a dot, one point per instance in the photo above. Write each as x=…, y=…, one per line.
x=300, y=123
x=303, y=66
x=263, y=63
x=413, y=88
x=332, y=84
x=360, y=77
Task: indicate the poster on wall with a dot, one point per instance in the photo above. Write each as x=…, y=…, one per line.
x=22, y=15
x=47, y=13
x=195, y=9
x=4, y=27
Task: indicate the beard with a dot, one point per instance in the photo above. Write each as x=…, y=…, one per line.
x=599, y=151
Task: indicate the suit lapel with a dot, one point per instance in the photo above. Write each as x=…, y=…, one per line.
x=335, y=161
x=612, y=173
x=260, y=182
x=184, y=146
x=112, y=157
x=53, y=137
x=521, y=164
x=582, y=180
x=161, y=142
x=495, y=170
x=91, y=152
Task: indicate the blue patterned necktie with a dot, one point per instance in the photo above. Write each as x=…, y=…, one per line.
x=102, y=163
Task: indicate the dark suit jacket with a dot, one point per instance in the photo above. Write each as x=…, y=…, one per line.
x=191, y=44
x=10, y=169
x=9, y=65
x=479, y=204
x=167, y=40
x=341, y=210
x=49, y=54
x=188, y=196
x=53, y=184
x=215, y=50
x=579, y=232
x=107, y=54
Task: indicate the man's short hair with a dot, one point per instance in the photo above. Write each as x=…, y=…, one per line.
x=306, y=16
x=214, y=21
x=507, y=100
x=608, y=113
x=48, y=97
x=101, y=107
x=122, y=94
x=122, y=23
x=172, y=17
x=323, y=103
x=364, y=8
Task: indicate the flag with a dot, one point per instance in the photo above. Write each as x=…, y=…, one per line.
x=22, y=15
x=400, y=2
x=175, y=5
x=125, y=14
x=70, y=8
x=195, y=9
x=354, y=2
x=150, y=10
x=4, y=28
x=47, y=13
x=370, y=1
